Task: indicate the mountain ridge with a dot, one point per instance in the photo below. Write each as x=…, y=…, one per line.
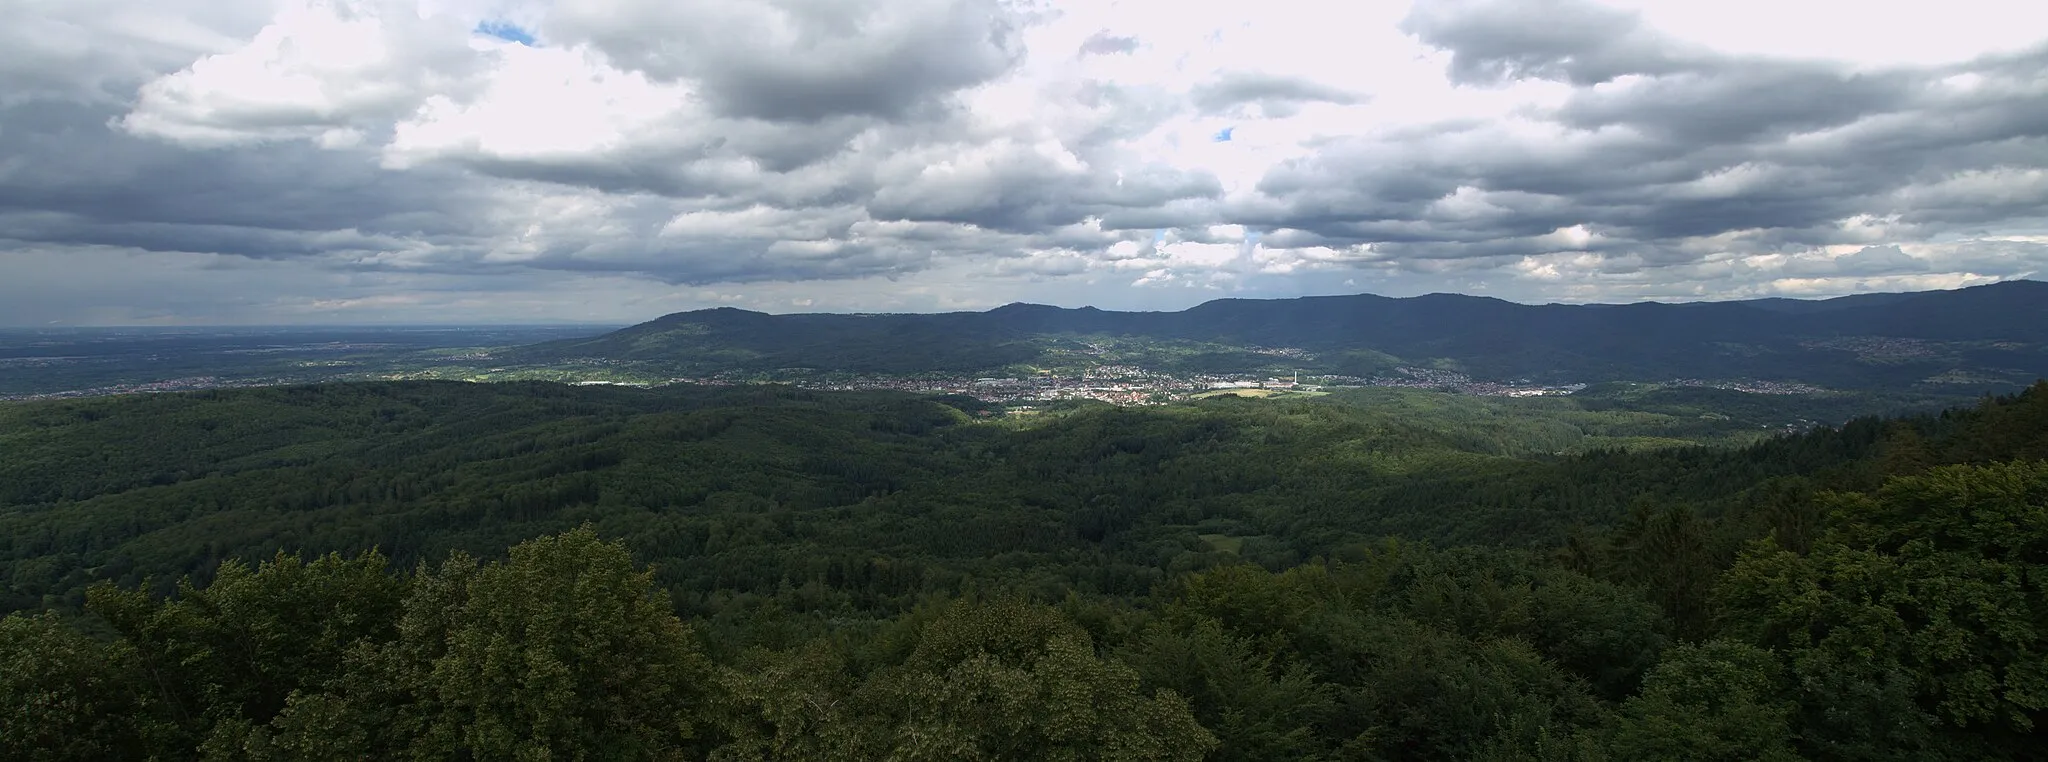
x=2039, y=287
x=1995, y=334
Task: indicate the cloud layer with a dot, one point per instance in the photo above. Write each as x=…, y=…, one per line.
x=507, y=160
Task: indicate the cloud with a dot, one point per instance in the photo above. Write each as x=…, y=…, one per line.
x=95, y=51
x=803, y=59
x=1668, y=155
x=401, y=157
x=1272, y=96
x=1496, y=41
x=1103, y=43
x=323, y=69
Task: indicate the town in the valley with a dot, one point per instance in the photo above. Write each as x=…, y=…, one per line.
x=1130, y=385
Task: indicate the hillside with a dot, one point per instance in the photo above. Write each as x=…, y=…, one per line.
x=1985, y=337
x=846, y=576
x=784, y=480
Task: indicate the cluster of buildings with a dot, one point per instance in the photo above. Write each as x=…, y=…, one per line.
x=1292, y=382
x=1753, y=387
x=1131, y=385
x=1123, y=387
x=194, y=383
x=1117, y=385
x=1289, y=352
x=1447, y=380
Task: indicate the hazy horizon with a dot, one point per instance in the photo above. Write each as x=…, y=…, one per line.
x=598, y=325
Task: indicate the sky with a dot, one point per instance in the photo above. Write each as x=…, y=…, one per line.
x=221, y=162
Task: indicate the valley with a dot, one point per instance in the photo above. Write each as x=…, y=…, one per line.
x=1023, y=381
x=1279, y=542
x=1915, y=346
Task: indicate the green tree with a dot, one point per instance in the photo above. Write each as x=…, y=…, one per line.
x=66, y=696
x=1425, y=655
x=796, y=705
x=1006, y=680
x=1904, y=452
x=1667, y=550
x=224, y=658
x=1918, y=625
x=1718, y=700
x=563, y=651
x=1258, y=706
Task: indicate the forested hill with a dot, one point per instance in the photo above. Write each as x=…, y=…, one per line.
x=1993, y=335
x=747, y=488
x=870, y=576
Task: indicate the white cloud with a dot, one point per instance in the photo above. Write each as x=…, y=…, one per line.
x=320, y=68
x=1888, y=35
x=540, y=104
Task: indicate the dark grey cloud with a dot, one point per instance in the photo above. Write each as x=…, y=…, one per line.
x=70, y=179
x=705, y=161
x=1276, y=96
x=1776, y=153
x=710, y=260
x=65, y=159
x=81, y=175
x=1495, y=41
x=249, y=242
x=1737, y=100
x=804, y=60
x=98, y=51
x=806, y=148
x=72, y=176
x=1026, y=192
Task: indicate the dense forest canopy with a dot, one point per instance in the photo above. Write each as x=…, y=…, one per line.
x=745, y=490
x=323, y=572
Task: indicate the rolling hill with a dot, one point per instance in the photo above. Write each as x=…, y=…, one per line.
x=1993, y=335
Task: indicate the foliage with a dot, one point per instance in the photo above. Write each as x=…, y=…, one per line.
x=867, y=500
x=875, y=577
x=66, y=695
x=1717, y=700
x=1919, y=613
x=564, y=650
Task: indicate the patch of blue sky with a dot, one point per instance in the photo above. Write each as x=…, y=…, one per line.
x=507, y=31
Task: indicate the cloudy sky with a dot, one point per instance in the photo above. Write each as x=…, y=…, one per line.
x=358, y=161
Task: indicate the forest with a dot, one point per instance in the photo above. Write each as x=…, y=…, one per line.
x=535, y=571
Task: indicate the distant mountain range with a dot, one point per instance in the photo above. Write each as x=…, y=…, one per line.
x=1993, y=335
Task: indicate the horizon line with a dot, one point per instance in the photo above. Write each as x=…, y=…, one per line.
x=618, y=324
